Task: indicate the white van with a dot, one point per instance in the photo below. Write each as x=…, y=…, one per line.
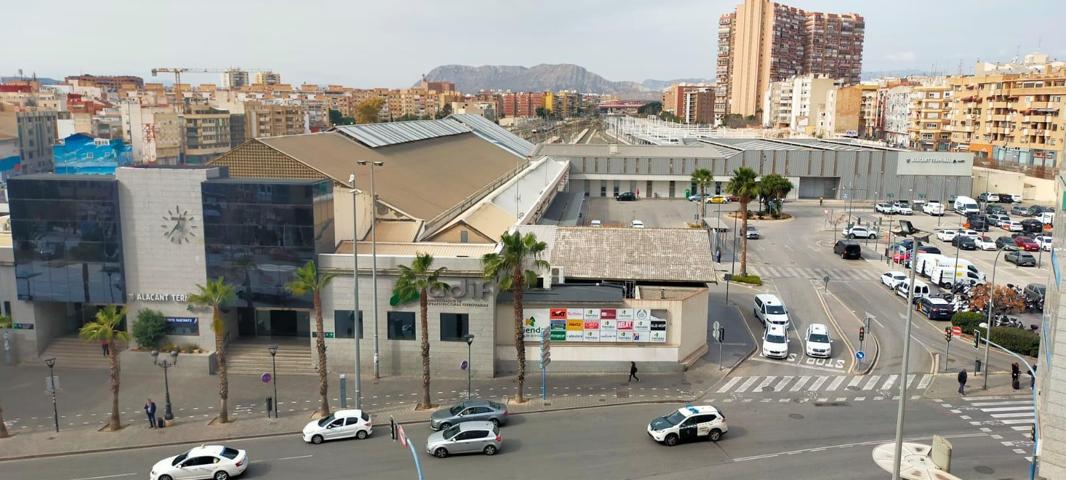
x=921, y=289
x=1047, y=218
x=942, y=275
x=769, y=310
x=928, y=267
x=925, y=262
x=964, y=205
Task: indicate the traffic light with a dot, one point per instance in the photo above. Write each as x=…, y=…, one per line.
x=976, y=339
x=392, y=429
x=862, y=333
x=947, y=333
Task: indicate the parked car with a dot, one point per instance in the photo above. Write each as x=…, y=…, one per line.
x=921, y=289
x=1044, y=241
x=341, y=424
x=935, y=308
x=848, y=249
x=996, y=209
x=697, y=197
x=1019, y=210
x=595, y=223
x=964, y=243
x=1005, y=197
x=1047, y=218
x=988, y=197
x=775, y=342
x=769, y=310
x=688, y=423
x=1026, y=243
x=977, y=222
x=892, y=278
x=718, y=199
x=469, y=411
x=928, y=248
x=752, y=233
x=1032, y=225
x=858, y=231
x=818, y=342
x=626, y=197
x=968, y=233
x=903, y=208
x=1013, y=226
x=1015, y=198
x=946, y=234
x=1035, y=210
x=1005, y=243
x=637, y=224
x=206, y=461
x=1021, y=259
x=467, y=437
x=933, y=208
x=1034, y=292
x=885, y=208
x=985, y=243
x=998, y=219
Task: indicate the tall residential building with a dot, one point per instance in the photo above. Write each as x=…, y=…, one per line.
x=155, y=133
x=763, y=42
x=267, y=78
x=36, y=134
x=521, y=104
x=798, y=103
x=263, y=120
x=205, y=134
x=896, y=116
x=690, y=102
x=850, y=111
x=234, y=78
x=929, y=112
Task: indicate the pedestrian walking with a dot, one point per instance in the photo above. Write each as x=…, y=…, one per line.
x=1032, y=378
x=149, y=409
x=962, y=382
x=632, y=372
x=820, y=201
x=106, y=347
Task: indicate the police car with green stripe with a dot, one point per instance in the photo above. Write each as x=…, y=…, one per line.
x=688, y=423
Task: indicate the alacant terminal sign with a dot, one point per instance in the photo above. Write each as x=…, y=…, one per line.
x=955, y=164
x=155, y=297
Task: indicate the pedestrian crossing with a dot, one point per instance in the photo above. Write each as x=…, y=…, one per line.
x=821, y=383
x=835, y=274
x=1008, y=420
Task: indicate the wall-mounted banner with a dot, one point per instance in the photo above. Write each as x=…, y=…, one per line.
x=594, y=325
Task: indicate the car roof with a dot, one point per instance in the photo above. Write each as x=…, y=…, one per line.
x=206, y=450
x=818, y=328
x=476, y=402
x=348, y=413
x=690, y=410
x=775, y=329
x=769, y=299
x=936, y=300
x=895, y=273
x=478, y=425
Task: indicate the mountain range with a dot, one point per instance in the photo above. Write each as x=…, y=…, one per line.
x=544, y=77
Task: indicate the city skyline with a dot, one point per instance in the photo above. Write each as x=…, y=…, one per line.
x=597, y=35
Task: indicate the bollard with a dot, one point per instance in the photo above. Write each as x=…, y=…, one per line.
x=344, y=391
x=269, y=405
x=977, y=366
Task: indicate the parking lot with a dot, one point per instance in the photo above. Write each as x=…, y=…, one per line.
x=659, y=213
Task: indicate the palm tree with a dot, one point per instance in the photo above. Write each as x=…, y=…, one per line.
x=106, y=328
x=508, y=269
x=745, y=187
x=702, y=177
x=307, y=279
x=418, y=279
x=214, y=294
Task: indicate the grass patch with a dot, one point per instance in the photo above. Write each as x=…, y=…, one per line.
x=748, y=279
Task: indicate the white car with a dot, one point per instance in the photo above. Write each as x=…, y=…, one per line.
x=596, y=223
x=752, y=233
x=215, y=462
x=892, y=279
x=985, y=243
x=858, y=232
x=885, y=208
x=1016, y=198
x=775, y=342
x=1044, y=241
x=946, y=234
x=688, y=423
x=342, y=424
x=818, y=342
x=904, y=210
x=636, y=224
x=968, y=233
x=1013, y=226
x=933, y=208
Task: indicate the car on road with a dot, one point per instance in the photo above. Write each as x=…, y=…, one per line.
x=752, y=233
x=902, y=207
x=964, y=243
x=341, y=424
x=469, y=411
x=1044, y=241
x=217, y=462
x=1026, y=243
x=985, y=242
x=637, y=224
x=885, y=208
x=858, y=231
x=626, y=197
x=466, y=437
x=935, y=308
x=933, y=208
x=1021, y=259
x=1005, y=242
x=769, y=310
x=892, y=278
x=718, y=199
x=775, y=342
x=1019, y=210
x=946, y=234
x=848, y=249
x=818, y=342
x=688, y=423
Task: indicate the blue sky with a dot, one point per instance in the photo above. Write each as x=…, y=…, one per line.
x=367, y=43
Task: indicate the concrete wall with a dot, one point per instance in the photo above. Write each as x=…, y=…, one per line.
x=1032, y=189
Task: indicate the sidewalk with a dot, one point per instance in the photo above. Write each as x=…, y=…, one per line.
x=946, y=385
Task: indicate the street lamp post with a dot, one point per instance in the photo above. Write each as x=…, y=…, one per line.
x=988, y=331
x=374, y=258
x=469, y=366
x=273, y=349
x=51, y=362
x=168, y=410
x=357, y=391
x=906, y=365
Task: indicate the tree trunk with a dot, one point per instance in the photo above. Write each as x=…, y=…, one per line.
x=703, y=203
x=223, y=382
x=423, y=311
x=3, y=426
x=320, y=345
x=743, y=237
x=115, y=423
x=519, y=335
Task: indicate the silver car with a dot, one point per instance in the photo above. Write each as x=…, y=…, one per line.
x=466, y=437
x=468, y=411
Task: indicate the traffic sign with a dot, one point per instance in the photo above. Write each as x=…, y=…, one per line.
x=463, y=365
x=265, y=378
x=956, y=331
x=714, y=327
x=859, y=355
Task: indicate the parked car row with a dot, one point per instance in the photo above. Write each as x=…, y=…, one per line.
x=924, y=302
x=901, y=207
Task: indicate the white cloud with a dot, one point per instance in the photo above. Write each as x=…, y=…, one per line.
x=907, y=56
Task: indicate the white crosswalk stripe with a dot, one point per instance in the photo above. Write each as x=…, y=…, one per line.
x=814, y=383
x=747, y=384
x=836, y=383
x=799, y=383
x=835, y=274
x=1012, y=415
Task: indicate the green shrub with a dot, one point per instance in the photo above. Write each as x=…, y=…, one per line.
x=749, y=279
x=5, y=321
x=968, y=321
x=1017, y=340
x=150, y=328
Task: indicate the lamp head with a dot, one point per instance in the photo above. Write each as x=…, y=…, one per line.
x=361, y=162
x=469, y=339
x=273, y=349
x=51, y=362
x=155, y=355
x=379, y=164
x=351, y=179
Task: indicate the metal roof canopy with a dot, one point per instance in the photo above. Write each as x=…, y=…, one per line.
x=494, y=133
x=376, y=135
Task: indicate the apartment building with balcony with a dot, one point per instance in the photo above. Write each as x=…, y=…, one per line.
x=798, y=103
x=691, y=103
x=205, y=134
x=850, y=111
x=929, y=112
x=896, y=115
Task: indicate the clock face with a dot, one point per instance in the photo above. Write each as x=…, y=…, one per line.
x=177, y=226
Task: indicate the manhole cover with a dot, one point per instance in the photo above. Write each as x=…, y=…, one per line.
x=767, y=389
x=795, y=416
x=984, y=470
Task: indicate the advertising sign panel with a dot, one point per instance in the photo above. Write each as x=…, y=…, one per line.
x=535, y=323
x=595, y=325
x=934, y=163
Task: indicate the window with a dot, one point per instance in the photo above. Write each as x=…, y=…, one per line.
x=344, y=324
x=454, y=326
x=401, y=325
x=7, y=309
x=351, y=421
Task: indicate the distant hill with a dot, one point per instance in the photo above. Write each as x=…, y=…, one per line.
x=470, y=79
x=906, y=72
x=662, y=84
x=43, y=80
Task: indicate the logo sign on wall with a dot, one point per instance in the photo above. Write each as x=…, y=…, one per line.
x=934, y=163
x=594, y=325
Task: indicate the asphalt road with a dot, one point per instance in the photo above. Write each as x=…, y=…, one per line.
x=793, y=440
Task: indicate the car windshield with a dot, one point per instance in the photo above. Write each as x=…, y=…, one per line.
x=366, y=418
x=775, y=310
x=451, y=432
x=325, y=421
x=775, y=338
x=674, y=418
x=229, y=453
x=818, y=338
x=456, y=409
x=180, y=458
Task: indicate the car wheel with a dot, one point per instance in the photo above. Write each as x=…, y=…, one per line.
x=361, y=434
x=495, y=422
x=166, y=477
x=715, y=435
x=490, y=450
x=670, y=440
x=445, y=426
x=440, y=453
x=851, y=236
x=221, y=475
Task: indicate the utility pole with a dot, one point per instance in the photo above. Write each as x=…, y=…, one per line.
x=357, y=391
x=905, y=367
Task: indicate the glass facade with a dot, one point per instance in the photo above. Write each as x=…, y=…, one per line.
x=257, y=232
x=67, y=239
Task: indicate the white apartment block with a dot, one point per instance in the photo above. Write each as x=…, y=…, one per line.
x=801, y=100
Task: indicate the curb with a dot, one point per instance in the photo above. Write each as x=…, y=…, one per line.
x=877, y=354
x=729, y=371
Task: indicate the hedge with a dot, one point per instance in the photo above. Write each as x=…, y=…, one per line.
x=150, y=328
x=1017, y=340
x=968, y=321
x=749, y=279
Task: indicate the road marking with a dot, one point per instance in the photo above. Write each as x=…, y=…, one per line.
x=1011, y=415
x=107, y=476
x=888, y=383
x=818, y=383
x=993, y=404
x=729, y=384
x=1020, y=429
x=1017, y=422
x=747, y=384
x=870, y=384
x=781, y=385
x=799, y=383
x=910, y=379
x=860, y=399
x=1009, y=409
x=855, y=381
x=765, y=383
x=926, y=379
x=294, y=458
x=846, y=445
x=836, y=383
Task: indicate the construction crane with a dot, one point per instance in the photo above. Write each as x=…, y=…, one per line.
x=177, y=71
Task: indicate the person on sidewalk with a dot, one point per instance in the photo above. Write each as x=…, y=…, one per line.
x=632, y=372
x=1032, y=378
x=105, y=347
x=149, y=409
x=962, y=381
